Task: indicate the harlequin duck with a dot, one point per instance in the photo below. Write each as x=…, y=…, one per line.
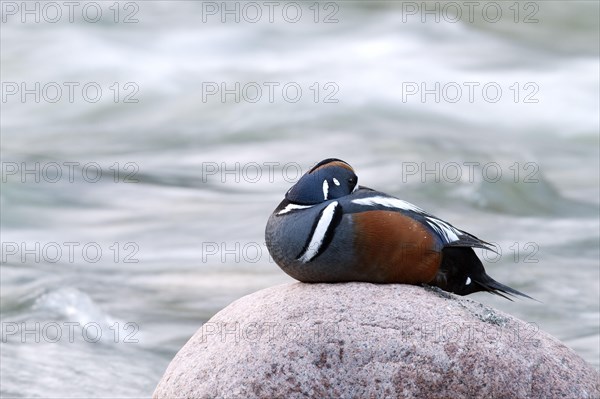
x=328, y=229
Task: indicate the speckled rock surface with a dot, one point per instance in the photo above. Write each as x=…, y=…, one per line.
x=360, y=340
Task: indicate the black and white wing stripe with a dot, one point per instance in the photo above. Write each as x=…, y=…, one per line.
x=447, y=232
x=450, y=235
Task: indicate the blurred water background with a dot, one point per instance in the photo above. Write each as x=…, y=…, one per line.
x=181, y=239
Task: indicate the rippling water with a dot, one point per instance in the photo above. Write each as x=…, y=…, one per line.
x=129, y=266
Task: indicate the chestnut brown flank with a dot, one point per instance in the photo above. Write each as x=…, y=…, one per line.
x=395, y=248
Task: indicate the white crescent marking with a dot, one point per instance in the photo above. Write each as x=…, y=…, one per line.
x=319, y=234
x=291, y=207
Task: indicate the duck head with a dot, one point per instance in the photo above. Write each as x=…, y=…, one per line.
x=329, y=179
